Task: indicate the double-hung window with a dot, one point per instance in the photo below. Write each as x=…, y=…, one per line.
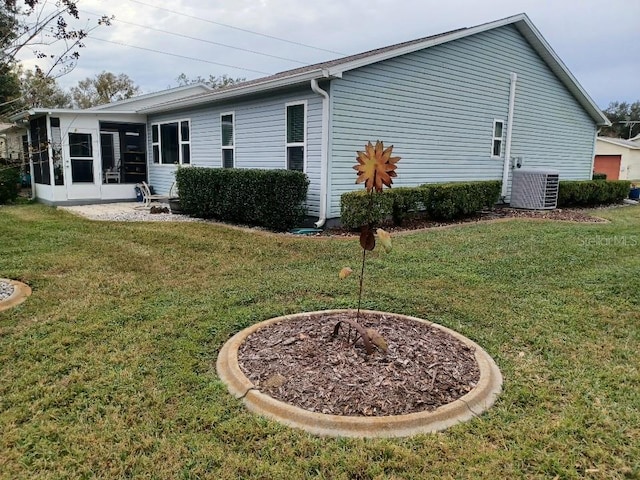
x=171, y=142
x=227, y=134
x=496, y=143
x=296, y=120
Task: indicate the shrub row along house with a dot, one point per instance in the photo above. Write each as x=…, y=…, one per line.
x=462, y=105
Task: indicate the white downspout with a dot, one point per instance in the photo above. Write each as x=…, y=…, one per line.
x=31, y=172
x=507, y=147
x=324, y=153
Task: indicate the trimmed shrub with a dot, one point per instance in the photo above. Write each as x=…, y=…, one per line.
x=587, y=193
x=599, y=176
x=269, y=198
x=355, y=209
x=9, y=180
x=407, y=201
x=443, y=201
x=456, y=200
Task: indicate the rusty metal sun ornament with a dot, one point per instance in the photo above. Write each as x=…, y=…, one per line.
x=376, y=167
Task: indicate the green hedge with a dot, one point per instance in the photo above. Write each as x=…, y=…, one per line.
x=9, y=180
x=599, y=176
x=456, y=200
x=268, y=198
x=361, y=208
x=587, y=193
x=443, y=201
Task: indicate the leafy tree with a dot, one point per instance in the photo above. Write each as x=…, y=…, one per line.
x=213, y=81
x=9, y=90
x=45, y=28
x=40, y=90
x=9, y=81
x=625, y=118
x=105, y=87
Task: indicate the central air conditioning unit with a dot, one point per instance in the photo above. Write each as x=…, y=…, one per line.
x=535, y=189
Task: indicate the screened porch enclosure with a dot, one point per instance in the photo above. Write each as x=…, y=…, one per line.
x=86, y=160
x=123, y=152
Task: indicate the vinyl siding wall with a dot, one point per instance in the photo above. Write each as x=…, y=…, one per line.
x=437, y=108
x=260, y=132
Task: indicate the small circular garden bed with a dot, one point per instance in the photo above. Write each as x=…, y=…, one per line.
x=12, y=293
x=292, y=369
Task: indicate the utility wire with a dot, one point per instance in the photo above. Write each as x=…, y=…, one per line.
x=180, y=56
x=236, y=28
x=200, y=39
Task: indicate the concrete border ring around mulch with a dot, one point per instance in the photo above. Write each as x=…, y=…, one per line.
x=465, y=408
x=20, y=293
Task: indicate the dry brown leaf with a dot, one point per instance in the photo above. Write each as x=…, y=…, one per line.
x=385, y=239
x=345, y=272
x=377, y=339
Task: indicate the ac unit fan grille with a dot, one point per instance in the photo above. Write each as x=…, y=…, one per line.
x=535, y=190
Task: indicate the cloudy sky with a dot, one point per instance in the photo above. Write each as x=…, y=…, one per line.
x=154, y=41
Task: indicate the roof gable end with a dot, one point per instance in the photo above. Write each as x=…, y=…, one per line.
x=335, y=68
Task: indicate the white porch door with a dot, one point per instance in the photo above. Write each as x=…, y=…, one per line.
x=82, y=168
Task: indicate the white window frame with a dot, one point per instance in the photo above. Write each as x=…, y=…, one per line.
x=181, y=142
x=302, y=144
x=494, y=138
x=232, y=147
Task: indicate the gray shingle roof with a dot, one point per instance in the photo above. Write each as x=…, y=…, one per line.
x=338, y=61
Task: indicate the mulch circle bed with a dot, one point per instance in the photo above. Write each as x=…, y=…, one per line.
x=299, y=362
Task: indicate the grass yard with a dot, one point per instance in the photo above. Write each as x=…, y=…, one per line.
x=108, y=370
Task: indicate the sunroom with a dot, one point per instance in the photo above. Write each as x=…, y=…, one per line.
x=81, y=157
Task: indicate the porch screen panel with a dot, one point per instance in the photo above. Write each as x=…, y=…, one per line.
x=39, y=152
x=56, y=147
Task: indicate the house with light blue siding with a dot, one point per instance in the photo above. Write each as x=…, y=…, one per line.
x=470, y=104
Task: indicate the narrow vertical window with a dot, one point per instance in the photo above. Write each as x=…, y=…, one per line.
x=228, y=140
x=296, y=136
x=496, y=145
x=185, y=143
x=155, y=142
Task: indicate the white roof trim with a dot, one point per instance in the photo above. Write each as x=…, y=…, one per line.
x=521, y=22
x=231, y=92
x=526, y=28
x=69, y=111
x=456, y=35
x=199, y=86
x=614, y=141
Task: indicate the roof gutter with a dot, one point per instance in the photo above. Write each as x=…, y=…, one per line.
x=324, y=153
x=232, y=92
x=25, y=114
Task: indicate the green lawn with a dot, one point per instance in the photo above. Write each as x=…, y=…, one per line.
x=108, y=370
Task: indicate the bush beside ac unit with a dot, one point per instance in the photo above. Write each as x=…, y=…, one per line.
x=535, y=189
